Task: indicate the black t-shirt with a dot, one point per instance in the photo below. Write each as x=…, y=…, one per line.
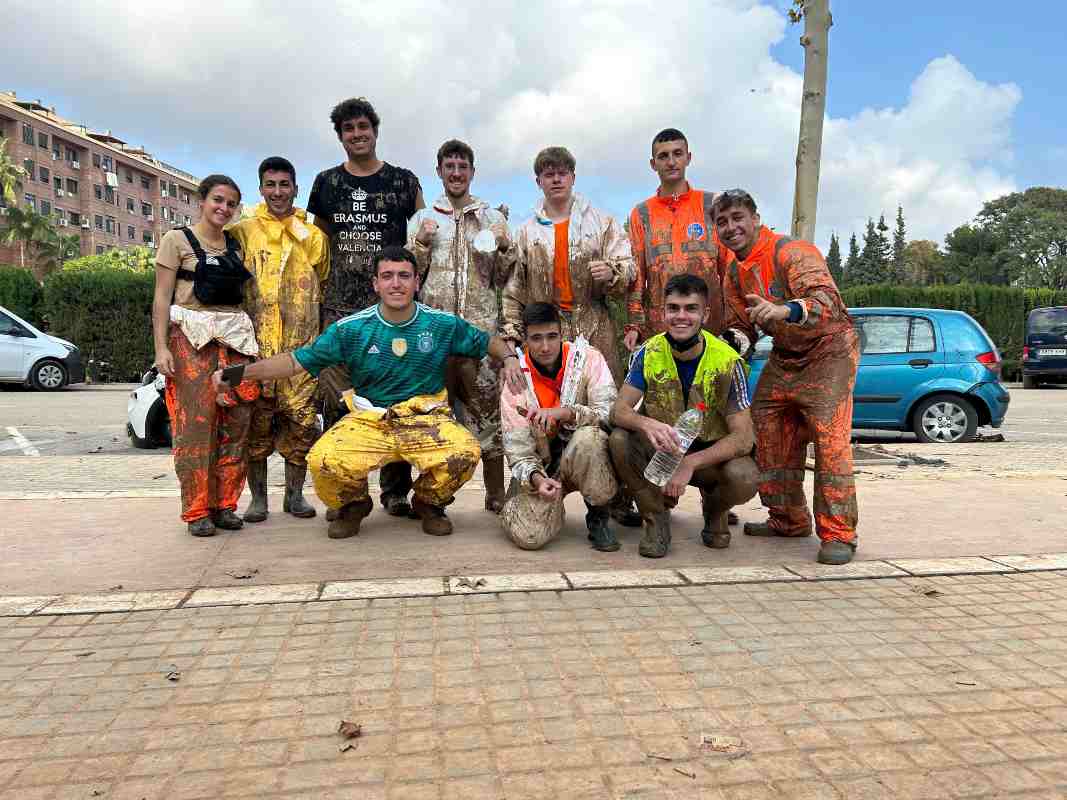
x=366, y=215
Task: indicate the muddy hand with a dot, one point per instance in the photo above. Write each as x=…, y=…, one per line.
x=427, y=230
x=630, y=340
x=500, y=231
x=512, y=375
x=217, y=383
x=762, y=311
x=165, y=363
x=600, y=271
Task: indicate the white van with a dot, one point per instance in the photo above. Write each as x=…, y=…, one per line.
x=34, y=358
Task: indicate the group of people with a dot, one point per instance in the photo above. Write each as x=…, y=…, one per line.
x=437, y=337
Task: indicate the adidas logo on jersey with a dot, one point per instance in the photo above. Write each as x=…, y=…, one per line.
x=373, y=351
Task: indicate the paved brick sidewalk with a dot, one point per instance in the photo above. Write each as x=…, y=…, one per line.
x=894, y=688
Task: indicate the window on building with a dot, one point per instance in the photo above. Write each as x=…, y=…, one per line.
x=131, y=232
x=174, y=190
x=129, y=176
x=185, y=197
x=146, y=183
x=46, y=208
x=110, y=196
x=98, y=191
x=59, y=213
x=72, y=186
x=27, y=134
x=99, y=249
x=109, y=224
x=31, y=201
x=31, y=169
x=107, y=164
x=131, y=205
x=162, y=188
x=165, y=213
x=146, y=237
x=96, y=159
x=75, y=218
x=98, y=221
x=42, y=140
x=46, y=174
x=72, y=154
x=188, y=220
x=57, y=152
x=57, y=183
x=146, y=210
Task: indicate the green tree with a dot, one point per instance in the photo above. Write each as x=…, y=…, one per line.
x=54, y=252
x=973, y=254
x=833, y=258
x=871, y=266
x=853, y=261
x=133, y=259
x=900, y=242
x=28, y=229
x=923, y=263
x=11, y=175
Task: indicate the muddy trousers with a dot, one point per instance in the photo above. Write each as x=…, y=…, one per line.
x=792, y=408
x=531, y=522
x=722, y=486
x=210, y=456
x=441, y=449
x=285, y=423
x=474, y=393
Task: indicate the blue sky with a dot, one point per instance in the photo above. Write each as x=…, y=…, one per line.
x=937, y=106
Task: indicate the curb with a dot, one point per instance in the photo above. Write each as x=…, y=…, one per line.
x=447, y=585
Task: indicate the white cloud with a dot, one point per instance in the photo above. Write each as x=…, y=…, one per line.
x=221, y=84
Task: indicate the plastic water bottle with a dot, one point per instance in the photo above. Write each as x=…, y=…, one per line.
x=663, y=464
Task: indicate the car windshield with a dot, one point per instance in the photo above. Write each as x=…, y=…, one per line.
x=1048, y=320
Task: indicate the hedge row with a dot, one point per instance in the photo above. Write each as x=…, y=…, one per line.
x=1002, y=311
x=108, y=314
x=20, y=293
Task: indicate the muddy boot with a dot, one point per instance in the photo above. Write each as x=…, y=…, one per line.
x=836, y=553
x=348, y=519
x=623, y=511
x=224, y=518
x=765, y=529
x=257, y=484
x=434, y=521
x=294, y=502
x=202, y=527
x=600, y=532
x=493, y=476
x=716, y=534
x=331, y=514
x=657, y=538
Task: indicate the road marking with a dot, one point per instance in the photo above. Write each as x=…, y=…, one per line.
x=23, y=443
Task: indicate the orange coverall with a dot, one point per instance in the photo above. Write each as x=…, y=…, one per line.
x=805, y=391
x=670, y=236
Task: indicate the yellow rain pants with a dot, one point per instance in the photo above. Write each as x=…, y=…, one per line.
x=420, y=431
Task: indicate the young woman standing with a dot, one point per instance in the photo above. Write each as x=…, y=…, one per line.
x=198, y=327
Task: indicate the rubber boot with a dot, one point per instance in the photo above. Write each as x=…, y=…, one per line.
x=225, y=518
x=836, y=553
x=716, y=533
x=657, y=538
x=600, y=532
x=294, y=502
x=434, y=521
x=202, y=527
x=765, y=529
x=623, y=511
x=348, y=519
x=493, y=476
x=257, y=484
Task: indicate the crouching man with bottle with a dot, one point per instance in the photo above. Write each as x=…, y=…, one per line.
x=552, y=435
x=694, y=428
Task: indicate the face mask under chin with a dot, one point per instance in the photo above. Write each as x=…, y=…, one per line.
x=680, y=346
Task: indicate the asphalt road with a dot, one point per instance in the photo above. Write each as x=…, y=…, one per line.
x=84, y=420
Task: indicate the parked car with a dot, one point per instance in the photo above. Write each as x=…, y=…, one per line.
x=31, y=357
x=147, y=418
x=1045, y=347
x=931, y=371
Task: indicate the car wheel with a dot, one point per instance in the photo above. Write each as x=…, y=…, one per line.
x=48, y=376
x=1030, y=382
x=945, y=418
x=158, y=424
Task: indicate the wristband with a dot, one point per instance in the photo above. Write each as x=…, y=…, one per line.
x=234, y=375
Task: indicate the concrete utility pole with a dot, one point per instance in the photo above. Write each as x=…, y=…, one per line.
x=815, y=41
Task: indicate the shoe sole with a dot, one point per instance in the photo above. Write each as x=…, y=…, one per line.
x=300, y=514
x=253, y=518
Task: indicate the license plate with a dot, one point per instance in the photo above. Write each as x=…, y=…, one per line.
x=1059, y=351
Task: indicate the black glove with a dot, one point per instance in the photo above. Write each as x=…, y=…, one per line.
x=731, y=338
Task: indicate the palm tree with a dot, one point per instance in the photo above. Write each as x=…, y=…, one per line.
x=11, y=175
x=54, y=251
x=28, y=228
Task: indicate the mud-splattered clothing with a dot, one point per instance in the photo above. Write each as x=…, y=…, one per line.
x=531, y=522
x=209, y=439
x=420, y=431
x=290, y=261
x=805, y=391
x=672, y=236
x=389, y=363
x=593, y=235
x=459, y=279
x=577, y=455
x=366, y=214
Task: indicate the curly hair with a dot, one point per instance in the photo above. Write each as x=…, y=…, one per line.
x=354, y=108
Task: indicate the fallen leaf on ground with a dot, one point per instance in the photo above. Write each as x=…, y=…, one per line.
x=685, y=772
x=933, y=593
x=83, y=655
x=350, y=730
x=732, y=746
x=467, y=583
x=661, y=758
x=242, y=574
x=174, y=676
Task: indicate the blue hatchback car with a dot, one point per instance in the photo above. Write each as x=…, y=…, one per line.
x=931, y=371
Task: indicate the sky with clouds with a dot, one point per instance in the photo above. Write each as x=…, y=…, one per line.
x=926, y=110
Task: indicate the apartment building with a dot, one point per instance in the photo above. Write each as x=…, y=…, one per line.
x=113, y=194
